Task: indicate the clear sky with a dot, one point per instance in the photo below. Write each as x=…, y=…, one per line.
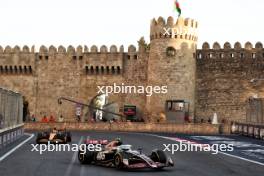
x=89, y=22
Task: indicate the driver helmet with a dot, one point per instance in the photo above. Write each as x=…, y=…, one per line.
x=54, y=130
x=119, y=141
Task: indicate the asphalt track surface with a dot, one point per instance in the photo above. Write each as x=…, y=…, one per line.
x=24, y=162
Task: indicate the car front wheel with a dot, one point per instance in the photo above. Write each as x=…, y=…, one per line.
x=118, y=161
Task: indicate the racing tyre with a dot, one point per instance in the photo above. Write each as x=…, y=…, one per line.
x=159, y=156
x=60, y=138
x=69, y=139
x=85, y=158
x=38, y=138
x=118, y=161
x=41, y=136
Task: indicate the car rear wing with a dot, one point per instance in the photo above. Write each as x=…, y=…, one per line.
x=91, y=141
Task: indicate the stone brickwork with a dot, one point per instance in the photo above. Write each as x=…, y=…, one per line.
x=211, y=80
x=203, y=129
x=42, y=77
x=226, y=78
x=175, y=71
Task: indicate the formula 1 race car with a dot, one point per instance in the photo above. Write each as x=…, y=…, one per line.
x=54, y=137
x=114, y=154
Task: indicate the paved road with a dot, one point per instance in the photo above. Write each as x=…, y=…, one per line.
x=23, y=162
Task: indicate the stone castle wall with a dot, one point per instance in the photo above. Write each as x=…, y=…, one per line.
x=212, y=79
x=42, y=77
x=226, y=78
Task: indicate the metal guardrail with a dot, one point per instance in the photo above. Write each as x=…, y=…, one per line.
x=250, y=130
x=11, y=109
x=11, y=116
x=10, y=135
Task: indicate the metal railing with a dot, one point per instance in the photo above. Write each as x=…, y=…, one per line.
x=246, y=129
x=10, y=135
x=11, y=116
x=11, y=109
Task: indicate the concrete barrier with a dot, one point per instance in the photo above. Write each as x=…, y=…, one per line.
x=203, y=129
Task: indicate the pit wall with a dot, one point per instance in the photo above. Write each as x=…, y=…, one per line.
x=45, y=75
x=224, y=79
x=204, y=129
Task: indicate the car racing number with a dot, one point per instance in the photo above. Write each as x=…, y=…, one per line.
x=100, y=156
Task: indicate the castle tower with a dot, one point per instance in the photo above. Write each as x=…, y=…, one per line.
x=172, y=64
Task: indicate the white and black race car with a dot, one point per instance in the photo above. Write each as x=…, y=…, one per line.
x=114, y=154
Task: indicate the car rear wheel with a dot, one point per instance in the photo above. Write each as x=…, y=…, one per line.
x=69, y=139
x=85, y=158
x=81, y=157
x=42, y=138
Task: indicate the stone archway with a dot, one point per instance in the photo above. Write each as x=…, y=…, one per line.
x=101, y=101
x=97, y=101
x=26, y=113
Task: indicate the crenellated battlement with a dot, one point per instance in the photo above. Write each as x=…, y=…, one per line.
x=16, y=49
x=229, y=51
x=228, y=46
x=69, y=50
x=182, y=28
x=170, y=22
x=93, y=60
x=81, y=50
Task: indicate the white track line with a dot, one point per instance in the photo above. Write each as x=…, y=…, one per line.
x=238, y=157
x=15, y=148
x=68, y=171
x=82, y=172
x=227, y=154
